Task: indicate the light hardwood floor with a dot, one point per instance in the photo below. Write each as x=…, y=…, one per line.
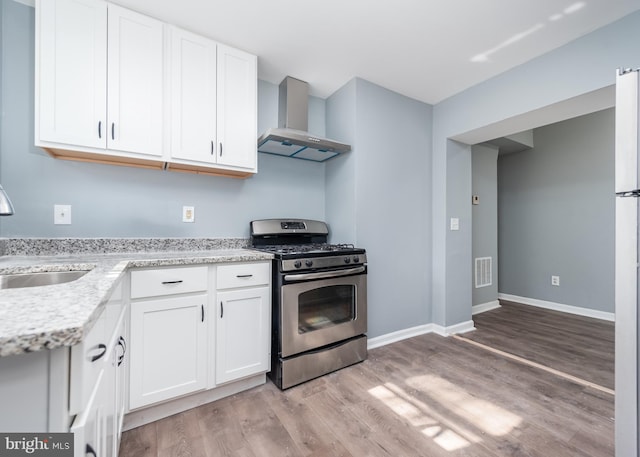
x=424, y=396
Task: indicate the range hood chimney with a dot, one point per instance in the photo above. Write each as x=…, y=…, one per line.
x=291, y=138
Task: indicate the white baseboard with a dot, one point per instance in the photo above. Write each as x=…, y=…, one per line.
x=400, y=335
x=482, y=307
x=462, y=327
x=587, y=312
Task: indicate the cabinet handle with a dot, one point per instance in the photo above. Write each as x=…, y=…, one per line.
x=221, y=149
x=89, y=451
x=244, y=276
x=221, y=310
x=123, y=344
x=213, y=148
x=201, y=313
x=100, y=129
x=172, y=282
x=113, y=134
x=103, y=349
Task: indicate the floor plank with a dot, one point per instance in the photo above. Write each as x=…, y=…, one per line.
x=424, y=396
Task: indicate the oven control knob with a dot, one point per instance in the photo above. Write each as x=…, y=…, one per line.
x=356, y=259
x=308, y=263
x=347, y=260
x=297, y=264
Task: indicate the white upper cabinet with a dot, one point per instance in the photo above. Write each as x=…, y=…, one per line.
x=237, y=108
x=99, y=81
x=213, y=106
x=71, y=72
x=110, y=84
x=135, y=68
x=193, y=97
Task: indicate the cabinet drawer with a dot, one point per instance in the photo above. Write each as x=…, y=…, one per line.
x=168, y=281
x=243, y=275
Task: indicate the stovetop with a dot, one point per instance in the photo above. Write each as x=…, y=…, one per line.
x=310, y=248
x=290, y=240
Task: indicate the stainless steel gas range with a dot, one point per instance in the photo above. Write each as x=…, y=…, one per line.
x=319, y=307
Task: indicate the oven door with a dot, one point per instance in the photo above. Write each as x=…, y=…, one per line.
x=322, y=308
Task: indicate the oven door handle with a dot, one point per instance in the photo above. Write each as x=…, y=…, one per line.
x=324, y=274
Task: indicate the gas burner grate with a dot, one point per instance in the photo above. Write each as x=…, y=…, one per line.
x=304, y=248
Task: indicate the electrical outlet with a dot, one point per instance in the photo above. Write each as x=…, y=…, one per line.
x=188, y=214
x=555, y=280
x=454, y=224
x=62, y=214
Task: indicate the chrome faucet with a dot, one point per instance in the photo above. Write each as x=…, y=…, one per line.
x=6, y=208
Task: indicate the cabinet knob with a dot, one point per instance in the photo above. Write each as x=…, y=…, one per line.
x=221, y=310
x=113, y=131
x=100, y=129
x=221, y=149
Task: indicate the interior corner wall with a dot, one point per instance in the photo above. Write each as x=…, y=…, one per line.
x=584, y=65
x=389, y=178
x=556, y=214
x=458, y=241
x=484, y=184
x=340, y=183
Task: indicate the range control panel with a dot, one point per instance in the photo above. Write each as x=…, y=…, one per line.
x=293, y=225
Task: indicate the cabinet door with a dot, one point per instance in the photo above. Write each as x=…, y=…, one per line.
x=168, y=349
x=135, y=82
x=237, y=108
x=116, y=405
x=242, y=333
x=71, y=72
x=193, y=97
x=89, y=426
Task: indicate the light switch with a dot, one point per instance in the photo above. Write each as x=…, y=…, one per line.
x=455, y=223
x=475, y=200
x=62, y=214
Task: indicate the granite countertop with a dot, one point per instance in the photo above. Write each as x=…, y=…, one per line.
x=47, y=317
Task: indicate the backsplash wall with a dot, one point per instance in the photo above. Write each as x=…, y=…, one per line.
x=115, y=201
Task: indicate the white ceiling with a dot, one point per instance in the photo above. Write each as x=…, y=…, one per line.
x=425, y=49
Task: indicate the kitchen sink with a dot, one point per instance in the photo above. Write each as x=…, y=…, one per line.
x=46, y=278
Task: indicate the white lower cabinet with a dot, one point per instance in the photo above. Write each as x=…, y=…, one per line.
x=89, y=427
x=116, y=374
x=242, y=333
x=195, y=328
x=168, y=349
x=97, y=368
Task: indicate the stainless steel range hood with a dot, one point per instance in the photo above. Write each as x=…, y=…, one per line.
x=291, y=138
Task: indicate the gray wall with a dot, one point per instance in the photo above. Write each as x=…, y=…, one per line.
x=378, y=196
x=484, y=164
x=508, y=103
x=121, y=201
x=375, y=196
x=556, y=214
